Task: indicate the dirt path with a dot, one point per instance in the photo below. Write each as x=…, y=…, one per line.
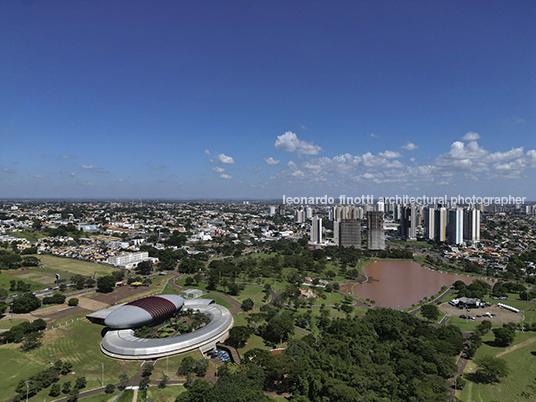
x=135, y=396
x=91, y=304
x=515, y=347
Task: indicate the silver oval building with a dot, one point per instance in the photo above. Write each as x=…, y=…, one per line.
x=120, y=343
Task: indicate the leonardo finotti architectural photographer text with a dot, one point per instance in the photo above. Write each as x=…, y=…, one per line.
x=404, y=199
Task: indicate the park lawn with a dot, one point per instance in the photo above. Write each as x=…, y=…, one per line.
x=447, y=298
x=254, y=341
x=170, y=290
x=73, y=266
x=167, y=394
x=254, y=293
x=100, y=397
x=9, y=323
x=182, y=279
x=5, y=280
x=66, y=267
x=330, y=300
x=126, y=396
x=441, y=316
x=468, y=325
x=521, y=362
x=170, y=365
x=262, y=256
x=77, y=342
x=28, y=235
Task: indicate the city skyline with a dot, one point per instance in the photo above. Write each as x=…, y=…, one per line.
x=181, y=100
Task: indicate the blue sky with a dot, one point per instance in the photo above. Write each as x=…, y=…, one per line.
x=248, y=99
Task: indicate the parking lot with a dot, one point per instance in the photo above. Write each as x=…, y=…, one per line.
x=502, y=316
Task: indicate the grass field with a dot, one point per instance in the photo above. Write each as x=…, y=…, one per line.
x=66, y=267
x=218, y=300
x=5, y=280
x=103, y=397
x=28, y=235
x=517, y=386
x=441, y=316
x=170, y=365
x=254, y=293
x=167, y=394
x=8, y=324
x=126, y=396
x=254, y=341
x=77, y=342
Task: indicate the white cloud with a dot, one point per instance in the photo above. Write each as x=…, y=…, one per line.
x=410, y=146
x=225, y=159
x=253, y=169
x=465, y=160
x=470, y=136
x=225, y=176
x=93, y=168
x=38, y=176
x=504, y=156
x=290, y=142
x=292, y=165
x=389, y=154
x=218, y=169
x=68, y=157
x=271, y=161
x=120, y=180
x=158, y=167
x=374, y=135
x=8, y=170
x=207, y=152
x=368, y=176
x=72, y=175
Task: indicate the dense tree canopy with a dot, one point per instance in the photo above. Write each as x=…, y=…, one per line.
x=25, y=304
x=386, y=355
x=106, y=284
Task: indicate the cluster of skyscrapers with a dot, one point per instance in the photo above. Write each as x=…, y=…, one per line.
x=454, y=225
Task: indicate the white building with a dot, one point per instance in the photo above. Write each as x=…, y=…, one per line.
x=128, y=260
x=316, y=230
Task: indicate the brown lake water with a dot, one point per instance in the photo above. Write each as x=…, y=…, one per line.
x=399, y=284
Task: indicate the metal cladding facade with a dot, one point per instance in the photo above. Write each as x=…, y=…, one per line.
x=122, y=344
x=144, y=311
